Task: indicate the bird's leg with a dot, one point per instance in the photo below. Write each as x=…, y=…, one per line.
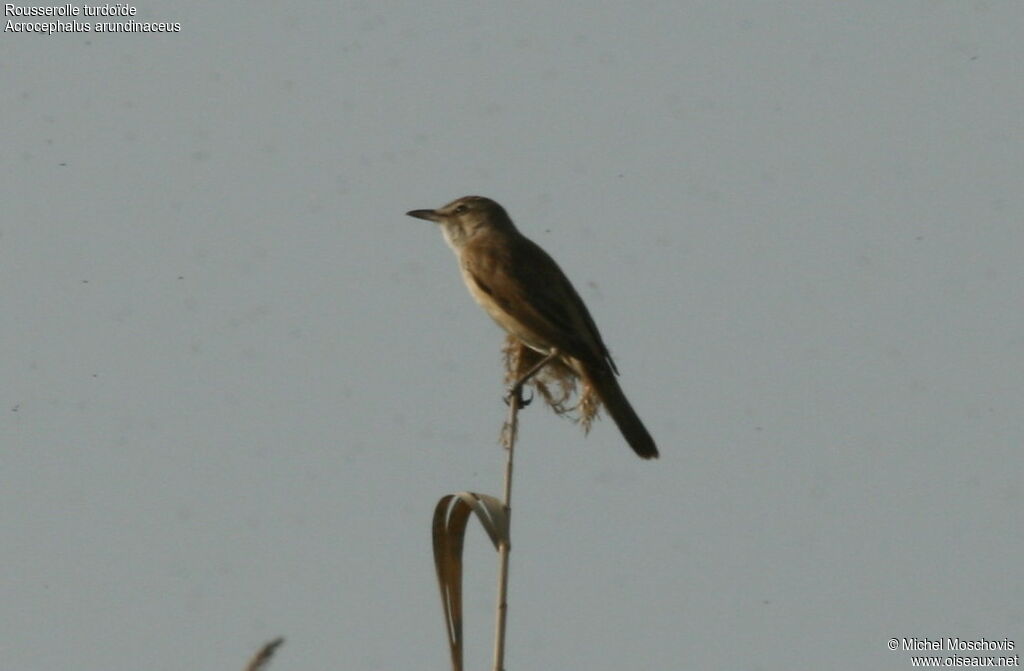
x=516, y=390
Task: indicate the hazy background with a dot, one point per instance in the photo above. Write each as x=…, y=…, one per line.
x=236, y=378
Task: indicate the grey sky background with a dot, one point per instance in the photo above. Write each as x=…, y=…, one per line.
x=237, y=378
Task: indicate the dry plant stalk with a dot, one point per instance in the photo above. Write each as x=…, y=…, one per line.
x=452, y=512
x=260, y=660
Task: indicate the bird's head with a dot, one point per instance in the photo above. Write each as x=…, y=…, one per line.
x=466, y=217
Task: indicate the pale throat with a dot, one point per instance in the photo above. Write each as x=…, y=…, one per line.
x=454, y=236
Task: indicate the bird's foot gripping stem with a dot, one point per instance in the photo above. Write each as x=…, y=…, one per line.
x=515, y=392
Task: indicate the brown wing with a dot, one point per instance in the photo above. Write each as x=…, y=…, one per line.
x=530, y=287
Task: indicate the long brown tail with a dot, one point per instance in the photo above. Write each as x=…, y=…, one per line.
x=633, y=430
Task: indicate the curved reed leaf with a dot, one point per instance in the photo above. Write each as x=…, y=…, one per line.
x=449, y=530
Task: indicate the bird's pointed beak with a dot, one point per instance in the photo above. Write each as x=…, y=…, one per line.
x=429, y=215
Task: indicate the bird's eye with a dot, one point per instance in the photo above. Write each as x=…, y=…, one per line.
x=462, y=209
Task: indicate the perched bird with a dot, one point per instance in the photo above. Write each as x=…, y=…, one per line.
x=528, y=295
